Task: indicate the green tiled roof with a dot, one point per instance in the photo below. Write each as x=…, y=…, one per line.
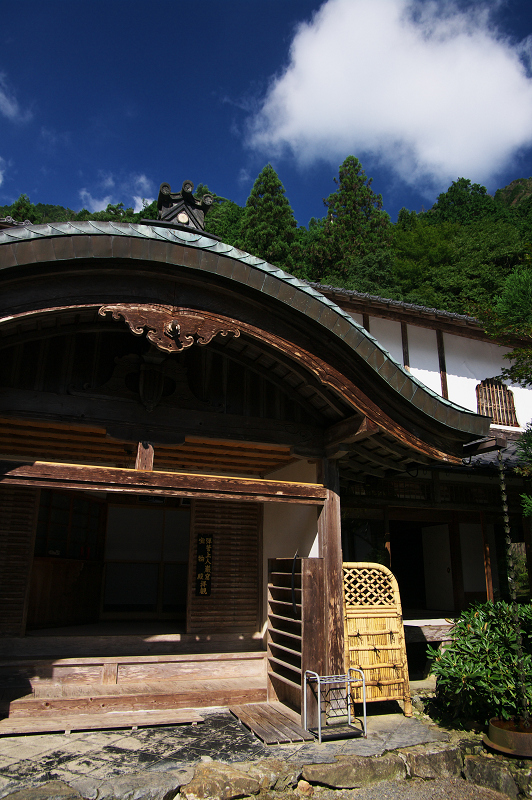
x=210, y=255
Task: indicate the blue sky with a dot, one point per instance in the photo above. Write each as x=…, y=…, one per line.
x=102, y=101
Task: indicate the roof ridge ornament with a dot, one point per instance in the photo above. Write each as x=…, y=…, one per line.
x=9, y=222
x=181, y=209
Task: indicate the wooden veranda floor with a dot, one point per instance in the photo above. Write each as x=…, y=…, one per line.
x=65, y=682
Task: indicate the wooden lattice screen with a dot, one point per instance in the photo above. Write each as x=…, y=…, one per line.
x=374, y=634
x=18, y=518
x=233, y=602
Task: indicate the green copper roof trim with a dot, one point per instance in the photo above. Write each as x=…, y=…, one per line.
x=354, y=334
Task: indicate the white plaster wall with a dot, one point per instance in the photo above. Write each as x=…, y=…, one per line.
x=289, y=527
x=468, y=362
x=437, y=563
x=388, y=334
x=301, y=471
x=472, y=547
x=423, y=354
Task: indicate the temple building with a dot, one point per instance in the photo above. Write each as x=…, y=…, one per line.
x=184, y=424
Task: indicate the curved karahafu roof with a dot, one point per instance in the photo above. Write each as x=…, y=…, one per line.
x=198, y=255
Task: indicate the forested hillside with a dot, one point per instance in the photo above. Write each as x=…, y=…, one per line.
x=455, y=256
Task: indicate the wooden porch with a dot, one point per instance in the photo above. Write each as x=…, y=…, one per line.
x=63, y=682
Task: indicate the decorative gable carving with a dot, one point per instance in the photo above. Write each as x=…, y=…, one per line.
x=172, y=329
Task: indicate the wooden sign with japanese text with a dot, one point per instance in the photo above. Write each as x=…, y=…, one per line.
x=203, y=566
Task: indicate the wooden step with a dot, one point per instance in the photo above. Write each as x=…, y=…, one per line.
x=102, y=698
x=271, y=724
x=47, y=723
x=111, y=670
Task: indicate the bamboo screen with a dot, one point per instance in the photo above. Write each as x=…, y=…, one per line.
x=374, y=634
x=495, y=400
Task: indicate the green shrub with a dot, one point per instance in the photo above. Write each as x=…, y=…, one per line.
x=481, y=673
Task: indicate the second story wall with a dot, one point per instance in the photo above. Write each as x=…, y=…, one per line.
x=452, y=365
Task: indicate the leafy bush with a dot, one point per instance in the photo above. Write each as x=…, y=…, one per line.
x=481, y=674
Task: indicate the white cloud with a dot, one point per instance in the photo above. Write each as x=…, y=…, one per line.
x=93, y=204
x=140, y=202
x=142, y=183
x=243, y=176
x=9, y=105
x=107, y=181
x=428, y=89
x=3, y=167
x=133, y=190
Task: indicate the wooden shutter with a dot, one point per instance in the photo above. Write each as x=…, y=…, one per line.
x=495, y=400
x=233, y=604
x=18, y=518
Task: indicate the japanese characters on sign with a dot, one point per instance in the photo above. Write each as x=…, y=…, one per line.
x=203, y=566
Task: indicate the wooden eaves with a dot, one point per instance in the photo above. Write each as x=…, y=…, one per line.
x=133, y=481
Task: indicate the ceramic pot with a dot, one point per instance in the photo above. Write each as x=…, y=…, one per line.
x=511, y=737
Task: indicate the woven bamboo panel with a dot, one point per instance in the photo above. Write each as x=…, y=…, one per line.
x=374, y=634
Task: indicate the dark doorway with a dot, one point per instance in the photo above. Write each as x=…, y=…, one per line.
x=406, y=545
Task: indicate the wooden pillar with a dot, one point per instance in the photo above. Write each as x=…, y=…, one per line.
x=404, y=341
x=313, y=632
x=18, y=520
x=441, y=360
x=330, y=541
x=487, y=559
x=456, y=564
x=387, y=539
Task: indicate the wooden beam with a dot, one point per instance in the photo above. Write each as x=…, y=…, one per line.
x=388, y=463
x=365, y=469
x=441, y=361
x=485, y=446
x=240, y=356
x=346, y=432
x=127, y=421
x=145, y=454
x=74, y=476
x=309, y=452
x=407, y=457
x=348, y=474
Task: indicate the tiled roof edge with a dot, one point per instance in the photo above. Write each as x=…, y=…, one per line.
x=374, y=298
x=203, y=241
